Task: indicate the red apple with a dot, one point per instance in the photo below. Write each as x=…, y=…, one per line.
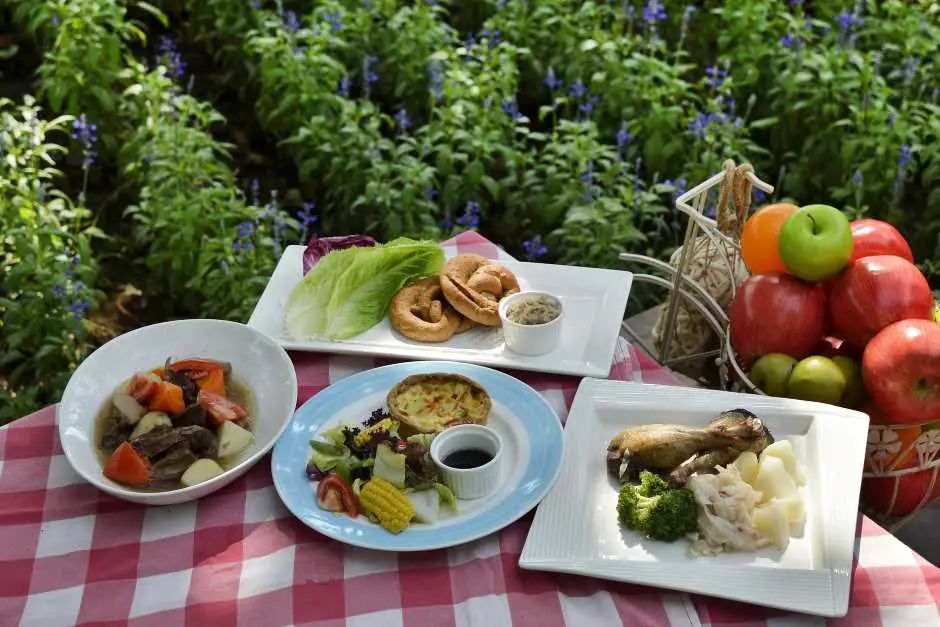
x=832, y=346
x=875, y=237
x=901, y=369
x=875, y=292
x=879, y=492
x=777, y=313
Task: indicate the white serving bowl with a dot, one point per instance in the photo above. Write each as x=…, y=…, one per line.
x=257, y=361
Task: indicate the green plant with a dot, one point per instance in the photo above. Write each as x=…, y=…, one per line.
x=48, y=270
x=85, y=44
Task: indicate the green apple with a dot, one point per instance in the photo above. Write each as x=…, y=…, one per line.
x=771, y=372
x=936, y=312
x=815, y=243
x=855, y=393
x=817, y=379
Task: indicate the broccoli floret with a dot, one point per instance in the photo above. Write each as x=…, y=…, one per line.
x=652, y=484
x=657, y=511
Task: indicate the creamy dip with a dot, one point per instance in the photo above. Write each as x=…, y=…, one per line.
x=533, y=310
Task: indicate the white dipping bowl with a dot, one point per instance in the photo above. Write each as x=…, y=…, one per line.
x=531, y=339
x=469, y=483
x=257, y=361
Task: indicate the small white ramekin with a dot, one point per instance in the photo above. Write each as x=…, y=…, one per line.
x=531, y=339
x=469, y=483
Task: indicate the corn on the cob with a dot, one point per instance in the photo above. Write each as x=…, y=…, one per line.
x=391, y=507
x=363, y=436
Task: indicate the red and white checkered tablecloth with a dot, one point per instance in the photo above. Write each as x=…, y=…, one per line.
x=71, y=555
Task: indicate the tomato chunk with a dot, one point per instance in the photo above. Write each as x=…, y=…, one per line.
x=127, y=466
x=204, y=365
x=220, y=408
x=335, y=495
x=142, y=386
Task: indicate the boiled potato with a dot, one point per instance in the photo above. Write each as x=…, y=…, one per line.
x=747, y=465
x=771, y=521
x=773, y=480
x=795, y=508
x=200, y=470
x=784, y=450
x=149, y=422
x=233, y=439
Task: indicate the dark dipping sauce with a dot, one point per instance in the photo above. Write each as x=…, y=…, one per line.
x=467, y=458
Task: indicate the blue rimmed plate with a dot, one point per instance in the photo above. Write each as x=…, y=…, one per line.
x=533, y=447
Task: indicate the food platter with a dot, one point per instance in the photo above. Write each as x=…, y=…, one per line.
x=594, y=301
x=533, y=448
x=576, y=528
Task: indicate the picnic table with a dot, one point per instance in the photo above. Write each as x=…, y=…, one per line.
x=73, y=555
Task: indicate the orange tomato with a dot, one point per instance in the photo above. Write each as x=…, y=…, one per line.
x=759, y=238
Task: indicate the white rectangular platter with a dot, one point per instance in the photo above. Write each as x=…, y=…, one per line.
x=594, y=301
x=576, y=528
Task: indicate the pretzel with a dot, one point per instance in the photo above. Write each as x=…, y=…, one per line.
x=474, y=285
x=418, y=311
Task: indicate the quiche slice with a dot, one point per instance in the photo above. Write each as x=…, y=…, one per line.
x=430, y=403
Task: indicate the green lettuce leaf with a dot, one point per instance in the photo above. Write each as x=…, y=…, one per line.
x=348, y=292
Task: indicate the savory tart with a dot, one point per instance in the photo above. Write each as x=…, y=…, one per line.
x=430, y=403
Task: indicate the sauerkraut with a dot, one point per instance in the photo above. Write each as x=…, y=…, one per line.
x=726, y=506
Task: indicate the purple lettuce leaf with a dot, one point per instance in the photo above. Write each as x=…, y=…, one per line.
x=320, y=246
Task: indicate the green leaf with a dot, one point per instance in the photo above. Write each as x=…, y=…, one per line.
x=765, y=122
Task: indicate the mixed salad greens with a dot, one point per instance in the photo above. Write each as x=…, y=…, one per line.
x=406, y=484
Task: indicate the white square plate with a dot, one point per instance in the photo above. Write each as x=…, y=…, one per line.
x=594, y=301
x=576, y=529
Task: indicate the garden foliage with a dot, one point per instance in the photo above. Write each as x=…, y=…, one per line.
x=561, y=129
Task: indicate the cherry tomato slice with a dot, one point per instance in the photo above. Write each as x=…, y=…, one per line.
x=335, y=495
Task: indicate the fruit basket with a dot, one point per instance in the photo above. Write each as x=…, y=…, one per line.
x=826, y=310
x=702, y=277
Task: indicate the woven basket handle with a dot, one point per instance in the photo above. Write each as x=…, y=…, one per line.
x=735, y=189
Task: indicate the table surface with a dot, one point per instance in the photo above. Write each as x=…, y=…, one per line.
x=72, y=555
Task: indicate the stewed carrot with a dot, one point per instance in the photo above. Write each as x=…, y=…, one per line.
x=213, y=382
x=168, y=398
x=127, y=466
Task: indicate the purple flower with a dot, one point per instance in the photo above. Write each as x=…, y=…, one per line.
x=587, y=177
x=716, y=76
x=345, y=84
x=85, y=133
x=471, y=215
x=404, y=122
x=623, y=137
x=436, y=80
x=587, y=107
x=492, y=37
x=892, y=116
x=578, y=89
x=701, y=123
x=534, y=247
x=910, y=68
x=370, y=77
x=857, y=179
x=904, y=159
x=306, y=215
x=687, y=15
x=430, y=193
x=511, y=108
x=171, y=58
x=653, y=12
x=245, y=233
x=291, y=23
x=787, y=40
x=335, y=20
x=255, y=4
x=552, y=81
x=759, y=196
x=255, y=191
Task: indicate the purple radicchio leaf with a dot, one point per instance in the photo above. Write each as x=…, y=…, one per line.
x=318, y=247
